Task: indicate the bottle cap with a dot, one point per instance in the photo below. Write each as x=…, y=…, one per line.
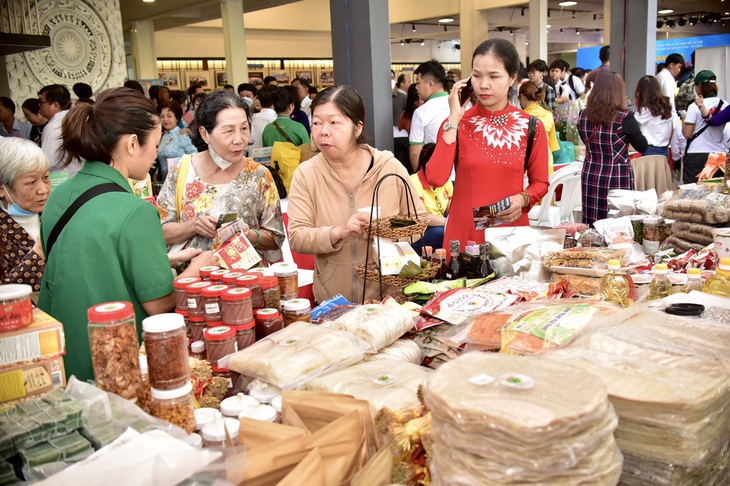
x=263, y=392
x=246, y=280
x=197, y=287
x=267, y=313
x=268, y=282
x=264, y=413
x=724, y=264
x=163, y=323
x=170, y=394
x=183, y=313
x=215, y=431
x=441, y=253
x=614, y=264
x=243, y=327
x=230, y=278
x=661, y=268
x=296, y=305
x=276, y=403
x=181, y=283
x=214, y=290
x=107, y=312
x=204, y=416
x=694, y=272
x=205, y=271
x=232, y=406
x=218, y=333
x=197, y=319
x=197, y=347
x=284, y=268
x=266, y=271
x=239, y=293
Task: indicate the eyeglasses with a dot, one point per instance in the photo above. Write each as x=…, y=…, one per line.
x=43, y=102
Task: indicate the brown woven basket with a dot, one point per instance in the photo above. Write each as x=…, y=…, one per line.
x=429, y=272
x=397, y=233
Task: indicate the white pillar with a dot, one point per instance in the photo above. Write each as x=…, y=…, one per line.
x=143, y=49
x=474, y=29
x=234, y=41
x=538, y=30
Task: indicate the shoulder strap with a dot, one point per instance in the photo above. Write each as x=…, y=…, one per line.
x=572, y=86
x=80, y=201
x=182, y=176
x=701, y=130
x=530, y=138
x=283, y=134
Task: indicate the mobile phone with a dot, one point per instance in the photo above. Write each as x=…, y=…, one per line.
x=466, y=92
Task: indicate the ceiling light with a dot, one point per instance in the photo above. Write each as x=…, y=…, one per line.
x=577, y=32
x=148, y=1
x=666, y=11
x=567, y=4
x=692, y=20
x=548, y=26
x=446, y=20
x=402, y=43
x=423, y=43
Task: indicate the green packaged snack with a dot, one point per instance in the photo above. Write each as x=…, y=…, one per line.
x=56, y=396
x=101, y=434
x=7, y=473
x=71, y=447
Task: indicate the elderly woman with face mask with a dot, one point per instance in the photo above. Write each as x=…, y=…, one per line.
x=24, y=189
x=221, y=181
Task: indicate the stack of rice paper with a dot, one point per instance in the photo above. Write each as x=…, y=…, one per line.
x=378, y=325
x=384, y=383
x=502, y=419
x=669, y=379
x=404, y=350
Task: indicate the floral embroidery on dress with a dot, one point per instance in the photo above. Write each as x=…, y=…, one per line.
x=502, y=131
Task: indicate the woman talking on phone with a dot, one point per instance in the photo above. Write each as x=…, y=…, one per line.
x=489, y=145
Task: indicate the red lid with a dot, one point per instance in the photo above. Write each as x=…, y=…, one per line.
x=183, y=313
x=267, y=313
x=111, y=311
x=205, y=271
x=243, y=327
x=219, y=369
x=268, y=282
x=217, y=323
x=239, y=293
x=197, y=319
x=214, y=290
x=230, y=278
x=218, y=333
x=197, y=287
x=181, y=283
x=247, y=280
x=217, y=275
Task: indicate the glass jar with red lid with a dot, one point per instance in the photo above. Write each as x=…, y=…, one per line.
x=212, y=302
x=268, y=321
x=197, y=325
x=230, y=278
x=257, y=294
x=272, y=295
x=186, y=319
x=237, y=306
x=194, y=292
x=220, y=341
x=245, y=334
x=216, y=276
x=179, y=286
x=204, y=272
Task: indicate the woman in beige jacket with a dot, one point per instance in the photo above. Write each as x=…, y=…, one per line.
x=328, y=189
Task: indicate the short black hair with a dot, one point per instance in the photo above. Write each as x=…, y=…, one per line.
x=432, y=69
x=303, y=82
x=538, y=65
x=7, y=103
x=281, y=98
x=82, y=90
x=57, y=93
x=174, y=107
x=604, y=54
x=561, y=64
x=674, y=58
x=193, y=88
x=265, y=96
x=269, y=79
x=228, y=86
x=133, y=84
x=313, y=90
x=32, y=105
x=246, y=87
x=401, y=80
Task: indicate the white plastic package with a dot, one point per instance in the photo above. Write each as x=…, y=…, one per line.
x=378, y=325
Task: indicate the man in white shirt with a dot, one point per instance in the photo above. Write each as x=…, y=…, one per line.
x=667, y=76
x=262, y=118
x=567, y=86
x=55, y=101
x=427, y=119
x=302, y=86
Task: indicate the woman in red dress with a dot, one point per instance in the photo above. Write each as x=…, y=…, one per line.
x=490, y=153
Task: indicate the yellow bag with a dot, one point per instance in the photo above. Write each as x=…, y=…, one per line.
x=285, y=158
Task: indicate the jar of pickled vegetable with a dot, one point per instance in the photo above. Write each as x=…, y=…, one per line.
x=167, y=351
x=288, y=276
x=268, y=321
x=296, y=310
x=272, y=295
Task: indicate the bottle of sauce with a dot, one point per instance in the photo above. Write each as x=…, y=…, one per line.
x=485, y=269
x=454, y=264
x=441, y=264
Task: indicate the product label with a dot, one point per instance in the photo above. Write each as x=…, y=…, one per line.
x=290, y=342
x=515, y=380
x=212, y=308
x=556, y=324
x=481, y=380
x=384, y=379
x=17, y=315
x=192, y=304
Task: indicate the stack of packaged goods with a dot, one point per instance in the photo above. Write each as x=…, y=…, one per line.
x=667, y=377
x=500, y=419
x=696, y=214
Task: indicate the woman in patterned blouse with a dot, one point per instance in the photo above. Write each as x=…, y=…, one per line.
x=24, y=189
x=221, y=181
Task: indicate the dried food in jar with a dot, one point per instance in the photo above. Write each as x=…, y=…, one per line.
x=212, y=302
x=272, y=294
x=237, y=306
x=115, y=348
x=179, y=286
x=268, y=321
x=175, y=406
x=257, y=293
x=167, y=351
x=194, y=294
x=296, y=310
x=288, y=276
x=220, y=341
x=245, y=334
x=197, y=325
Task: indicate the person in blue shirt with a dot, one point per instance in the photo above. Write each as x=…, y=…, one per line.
x=9, y=125
x=174, y=143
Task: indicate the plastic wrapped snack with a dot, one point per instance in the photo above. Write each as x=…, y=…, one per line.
x=457, y=305
x=402, y=350
x=697, y=206
x=384, y=383
x=527, y=289
x=581, y=257
x=378, y=325
x=499, y=419
x=579, y=284
x=297, y=353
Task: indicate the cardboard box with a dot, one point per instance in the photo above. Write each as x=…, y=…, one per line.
x=30, y=379
x=41, y=340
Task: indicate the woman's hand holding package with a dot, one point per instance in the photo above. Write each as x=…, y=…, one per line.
x=204, y=225
x=514, y=211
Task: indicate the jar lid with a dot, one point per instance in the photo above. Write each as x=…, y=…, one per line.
x=239, y=293
x=284, y=268
x=441, y=253
x=694, y=272
x=15, y=291
x=163, y=323
x=181, y=283
x=296, y=305
x=637, y=217
x=248, y=280
x=169, y=394
x=183, y=313
x=211, y=324
x=144, y=368
x=614, y=263
x=661, y=268
x=215, y=431
x=231, y=277
x=220, y=272
x=276, y=403
x=232, y=406
x=194, y=440
x=652, y=220
x=197, y=347
x=218, y=333
x=264, y=413
x=724, y=264
x=267, y=313
x=265, y=271
x=268, y=282
x=218, y=369
x=197, y=319
x=197, y=287
x=110, y=311
x=204, y=416
x=205, y=271
x=214, y=290
x=243, y=327
x=263, y=392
